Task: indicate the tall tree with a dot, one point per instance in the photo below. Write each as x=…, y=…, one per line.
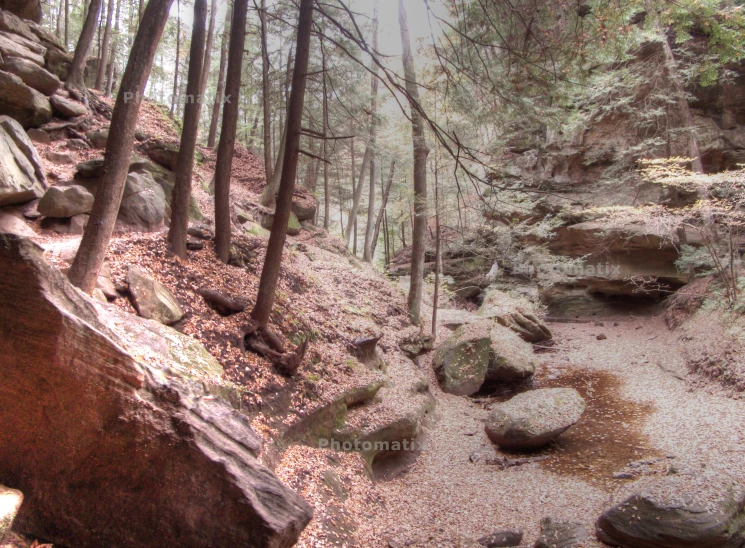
x=207, y=53
x=95, y=241
x=112, y=55
x=104, y=59
x=229, y=127
x=419, y=228
x=76, y=73
x=367, y=253
x=185, y=160
x=60, y=11
x=385, y=192
x=357, y=195
x=67, y=24
x=174, y=95
x=212, y=136
x=270, y=271
x=265, y=97
x=325, y=114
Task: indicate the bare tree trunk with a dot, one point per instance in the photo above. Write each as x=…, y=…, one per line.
x=92, y=250
x=212, y=137
x=352, y=221
x=140, y=12
x=104, y=58
x=75, y=78
x=112, y=54
x=178, y=58
x=421, y=151
x=227, y=134
x=268, y=195
x=275, y=247
x=384, y=202
x=438, y=256
x=207, y=53
x=326, y=196
x=67, y=24
x=265, y=97
x=367, y=254
x=354, y=245
x=252, y=135
x=60, y=11
x=185, y=160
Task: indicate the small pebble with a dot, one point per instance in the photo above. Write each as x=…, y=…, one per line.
x=601, y=337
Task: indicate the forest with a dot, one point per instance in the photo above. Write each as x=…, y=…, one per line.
x=373, y=273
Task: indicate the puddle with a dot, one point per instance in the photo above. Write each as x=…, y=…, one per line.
x=607, y=438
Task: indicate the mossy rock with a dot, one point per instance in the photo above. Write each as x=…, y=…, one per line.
x=462, y=361
x=293, y=225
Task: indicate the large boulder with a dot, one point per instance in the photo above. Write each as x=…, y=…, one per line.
x=122, y=445
x=481, y=352
x=10, y=22
x=58, y=61
x=11, y=222
x=32, y=74
x=18, y=180
x=304, y=204
x=678, y=511
x=516, y=314
x=166, y=154
x=461, y=362
x=89, y=174
x=10, y=502
x=293, y=225
x=143, y=204
x=25, y=145
x=23, y=103
x=65, y=201
x=12, y=45
x=534, y=419
x=28, y=9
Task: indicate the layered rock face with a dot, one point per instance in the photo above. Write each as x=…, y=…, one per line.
x=116, y=438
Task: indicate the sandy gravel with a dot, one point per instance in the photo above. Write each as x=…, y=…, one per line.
x=445, y=500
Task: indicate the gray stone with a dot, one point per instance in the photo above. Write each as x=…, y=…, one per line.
x=60, y=158
x=18, y=183
x=58, y=61
x=11, y=222
x=72, y=226
x=32, y=74
x=28, y=9
x=39, y=136
x=10, y=503
x=151, y=298
x=502, y=538
x=98, y=137
x=24, y=144
x=77, y=144
x=65, y=201
x=560, y=534
x=685, y=510
x=143, y=204
x=10, y=22
x=534, y=419
x=105, y=283
x=510, y=357
x=67, y=108
x=136, y=445
x=293, y=225
x=23, y=103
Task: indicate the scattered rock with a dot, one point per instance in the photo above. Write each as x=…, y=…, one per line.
x=690, y=510
x=77, y=144
x=12, y=223
x=58, y=62
x=67, y=108
x=72, y=226
x=515, y=313
x=601, y=337
x=534, y=419
x=60, y=158
x=510, y=357
x=502, y=538
x=99, y=296
x=194, y=245
x=12, y=45
x=155, y=393
x=560, y=534
x=599, y=323
x=10, y=503
x=98, y=137
x=32, y=74
x=415, y=344
x=201, y=232
x=304, y=204
x=23, y=103
x=65, y=201
x=39, y=136
x=151, y=298
x=105, y=283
